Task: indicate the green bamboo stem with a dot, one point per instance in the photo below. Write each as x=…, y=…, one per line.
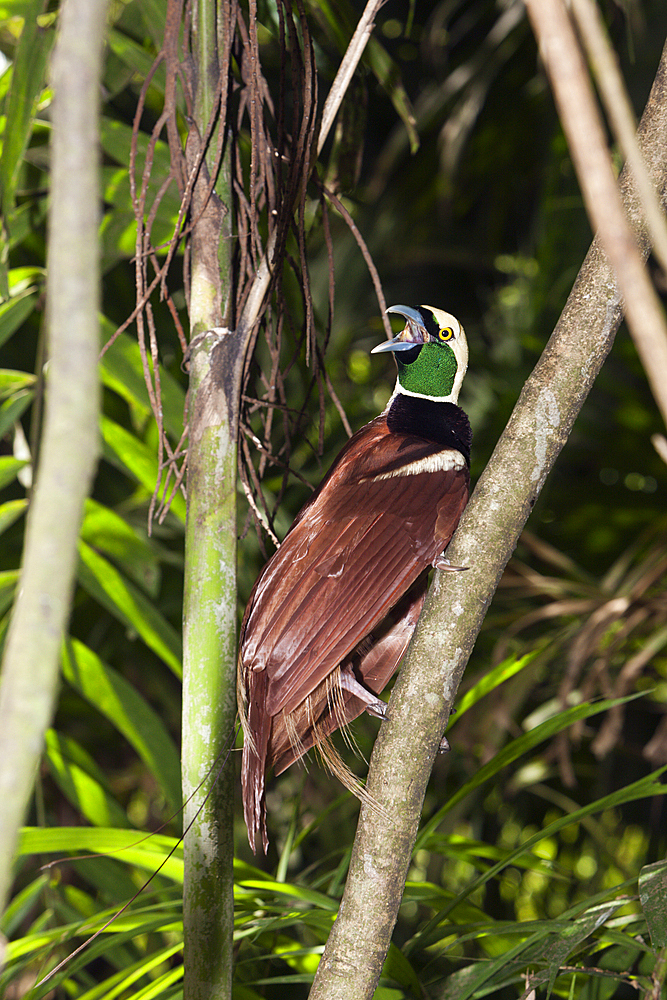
x=209, y=701
x=209, y=613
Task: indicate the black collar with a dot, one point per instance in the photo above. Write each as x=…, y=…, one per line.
x=444, y=423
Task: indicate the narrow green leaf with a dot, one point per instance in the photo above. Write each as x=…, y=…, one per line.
x=558, y=949
x=9, y=467
x=12, y=409
x=10, y=512
x=135, y=56
x=397, y=967
x=25, y=220
x=11, y=382
x=646, y=787
x=13, y=313
x=469, y=985
x=132, y=716
x=122, y=371
x=20, y=906
x=109, y=946
x=4, y=253
x=25, y=279
x=28, y=71
x=551, y=943
x=339, y=17
x=16, y=8
x=81, y=782
x=242, y=992
x=109, y=880
x=105, y=584
x=516, y=749
x=501, y=673
x=293, y=891
x=8, y=580
x=107, y=532
x=138, y=461
x=304, y=960
x=388, y=75
x=653, y=897
x=336, y=19
x=116, y=138
x=129, y=846
x=120, y=981
x=157, y=988
x=154, y=14
x=119, y=227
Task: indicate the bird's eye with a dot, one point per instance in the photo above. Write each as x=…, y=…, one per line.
x=446, y=334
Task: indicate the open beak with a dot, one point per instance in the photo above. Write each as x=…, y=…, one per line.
x=414, y=332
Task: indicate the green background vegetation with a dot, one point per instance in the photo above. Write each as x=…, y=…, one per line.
x=537, y=824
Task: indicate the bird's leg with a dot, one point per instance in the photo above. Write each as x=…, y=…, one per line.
x=444, y=564
x=374, y=705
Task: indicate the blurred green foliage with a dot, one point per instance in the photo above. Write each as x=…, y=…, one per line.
x=533, y=839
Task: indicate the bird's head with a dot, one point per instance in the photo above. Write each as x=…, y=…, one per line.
x=431, y=353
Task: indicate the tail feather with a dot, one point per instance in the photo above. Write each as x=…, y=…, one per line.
x=257, y=722
x=280, y=740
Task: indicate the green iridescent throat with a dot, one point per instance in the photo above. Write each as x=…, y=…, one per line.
x=431, y=374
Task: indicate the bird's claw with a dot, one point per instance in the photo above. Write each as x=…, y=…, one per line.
x=374, y=705
x=444, y=564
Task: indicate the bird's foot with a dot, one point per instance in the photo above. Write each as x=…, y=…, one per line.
x=374, y=705
x=444, y=564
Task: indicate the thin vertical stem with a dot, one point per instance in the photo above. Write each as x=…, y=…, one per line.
x=209, y=688
x=69, y=446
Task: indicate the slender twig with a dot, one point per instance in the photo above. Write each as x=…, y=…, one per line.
x=580, y=118
x=620, y=115
x=347, y=68
x=375, y=277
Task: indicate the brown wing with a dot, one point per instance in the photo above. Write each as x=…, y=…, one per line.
x=373, y=663
x=353, y=551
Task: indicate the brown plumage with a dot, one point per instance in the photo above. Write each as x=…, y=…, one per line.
x=339, y=601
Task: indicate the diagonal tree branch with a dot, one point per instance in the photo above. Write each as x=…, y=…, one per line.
x=346, y=70
x=457, y=603
x=620, y=115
